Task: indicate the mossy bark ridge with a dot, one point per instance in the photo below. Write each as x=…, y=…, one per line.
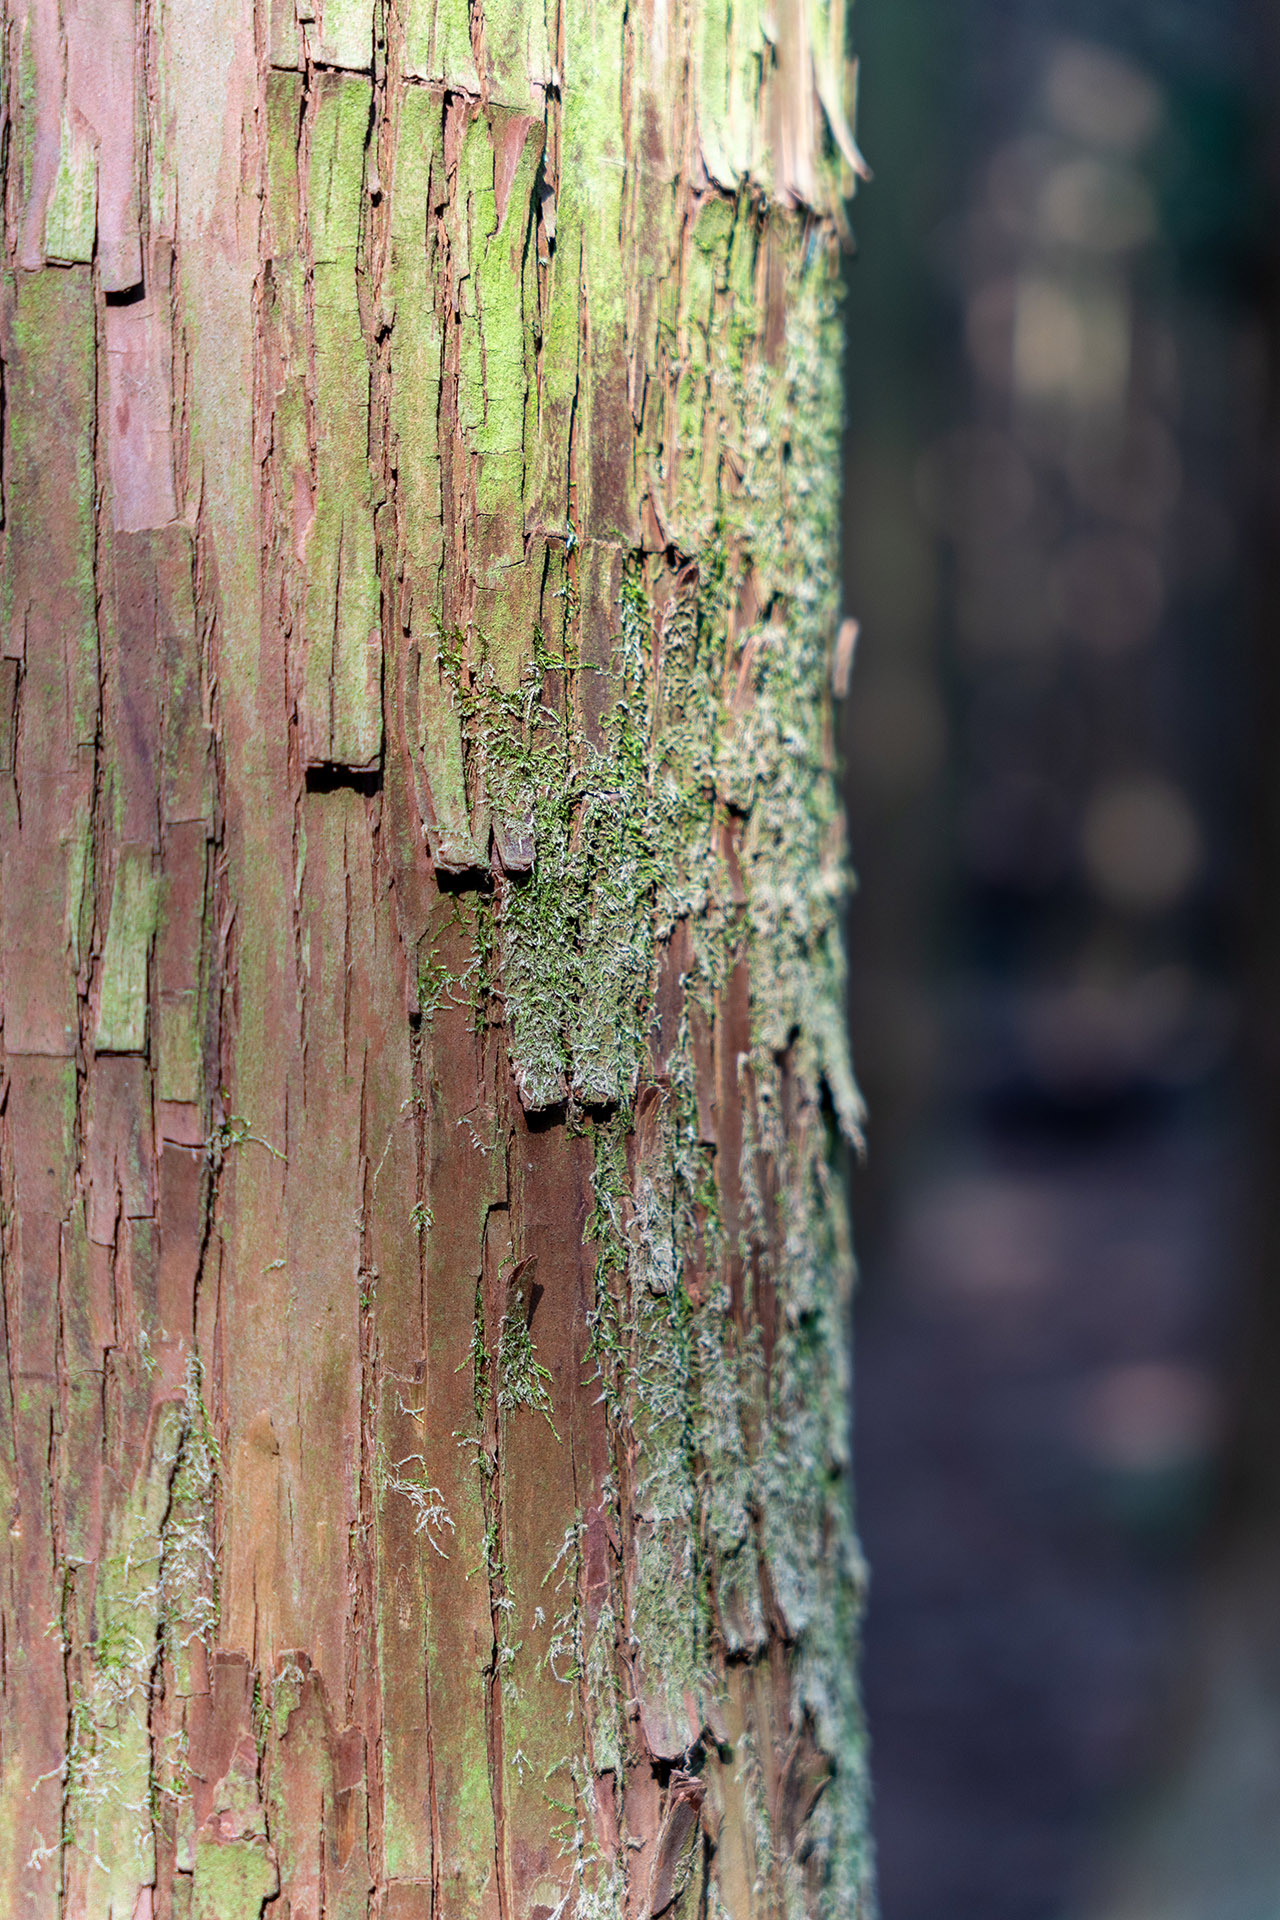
x=423, y=1428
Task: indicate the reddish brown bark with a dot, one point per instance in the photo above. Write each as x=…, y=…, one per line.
x=423, y=1273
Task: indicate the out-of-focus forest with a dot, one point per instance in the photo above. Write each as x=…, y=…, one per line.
x=1059, y=740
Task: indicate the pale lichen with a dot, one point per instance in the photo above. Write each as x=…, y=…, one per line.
x=154, y=1594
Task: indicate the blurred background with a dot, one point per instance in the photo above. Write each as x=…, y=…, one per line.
x=1062, y=751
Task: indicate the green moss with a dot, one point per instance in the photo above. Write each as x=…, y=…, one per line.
x=478, y=1360
x=522, y=1380
x=577, y=941
x=668, y=1597
x=603, y=1692
x=642, y=1330
x=232, y=1880
x=622, y=848
x=609, y=1320
x=708, y=712
x=515, y=35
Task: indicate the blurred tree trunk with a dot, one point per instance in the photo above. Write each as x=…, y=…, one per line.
x=424, y=1419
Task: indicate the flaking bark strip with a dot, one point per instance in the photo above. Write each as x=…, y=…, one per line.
x=71, y=216
x=341, y=700
x=102, y=73
x=140, y=405
x=39, y=126
x=47, y=599
x=341, y=34
x=122, y=993
x=416, y=349
x=438, y=45
x=447, y=810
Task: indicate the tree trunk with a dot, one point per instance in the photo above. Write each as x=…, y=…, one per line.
x=425, y=1272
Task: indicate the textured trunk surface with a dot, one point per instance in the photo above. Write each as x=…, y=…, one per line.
x=423, y=1422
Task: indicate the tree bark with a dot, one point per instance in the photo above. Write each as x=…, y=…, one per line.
x=425, y=1271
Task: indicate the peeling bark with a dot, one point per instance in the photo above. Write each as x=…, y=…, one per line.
x=423, y=1418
